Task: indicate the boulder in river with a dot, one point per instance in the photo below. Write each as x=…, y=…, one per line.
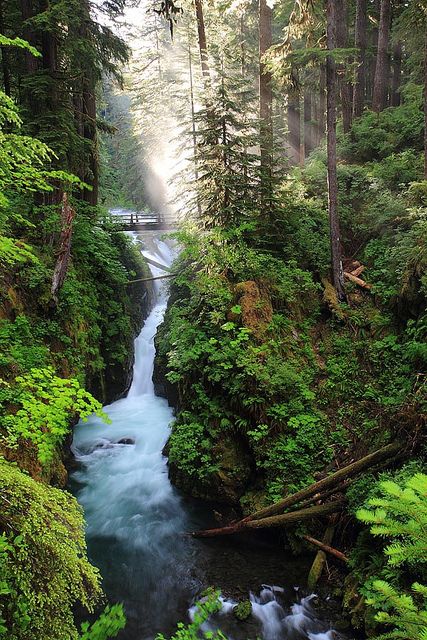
x=126, y=441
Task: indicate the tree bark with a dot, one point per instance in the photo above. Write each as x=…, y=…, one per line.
x=425, y=107
x=382, y=69
x=203, y=48
x=360, y=42
x=193, y=125
x=282, y=520
x=4, y=55
x=334, y=227
x=397, y=73
x=294, y=124
x=327, y=548
x=268, y=516
x=61, y=267
x=342, y=43
x=321, y=121
x=90, y=133
x=320, y=559
x=265, y=104
x=28, y=34
x=330, y=481
x=308, y=122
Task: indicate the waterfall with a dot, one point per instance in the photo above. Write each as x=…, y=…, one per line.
x=135, y=518
x=136, y=521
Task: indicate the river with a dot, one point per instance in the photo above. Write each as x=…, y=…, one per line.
x=137, y=522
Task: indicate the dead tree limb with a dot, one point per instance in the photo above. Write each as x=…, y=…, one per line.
x=64, y=252
x=358, y=271
x=356, y=280
x=268, y=517
x=168, y=275
x=320, y=559
x=327, y=548
x=333, y=480
x=283, y=520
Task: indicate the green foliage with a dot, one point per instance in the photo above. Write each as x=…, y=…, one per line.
x=400, y=515
x=46, y=404
x=375, y=136
x=110, y=622
x=44, y=568
x=205, y=608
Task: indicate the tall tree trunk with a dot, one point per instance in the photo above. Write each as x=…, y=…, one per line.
x=193, y=125
x=203, y=48
x=294, y=119
x=90, y=133
x=308, y=122
x=382, y=69
x=397, y=72
x=4, y=55
x=425, y=107
x=302, y=129
x=371, y=63
x=342, y=43
x=331, y=109
x=360, y=42
x=294, y=129
x=265, y=102
x=321, y=122
x=28, y=34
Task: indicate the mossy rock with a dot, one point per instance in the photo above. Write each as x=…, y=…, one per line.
x=243, y=610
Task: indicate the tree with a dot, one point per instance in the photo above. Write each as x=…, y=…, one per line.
x=425, y=107
x=360, y=42
x=265, y=101
x=342, y=42
x=397, y=73
x=337, y=269
x=382, y=69
x=203, y=47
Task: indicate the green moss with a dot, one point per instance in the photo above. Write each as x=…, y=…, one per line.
x=44, y=567
x=243, y=610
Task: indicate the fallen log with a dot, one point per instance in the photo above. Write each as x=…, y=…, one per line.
x=167, y=275
x=358, y=271
x=333, y=480
x=320, y=559
x=325, y=547
x=322, y=495
x=281, y=520
x=356, y=280
x=263, y=518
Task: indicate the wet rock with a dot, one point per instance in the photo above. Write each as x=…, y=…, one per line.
x=227, y=484
x=102, y=444
x=243, y=610
x=126, y=441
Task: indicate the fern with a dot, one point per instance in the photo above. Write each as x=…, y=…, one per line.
x=400, y=515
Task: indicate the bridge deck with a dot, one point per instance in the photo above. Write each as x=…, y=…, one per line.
x=134, y=221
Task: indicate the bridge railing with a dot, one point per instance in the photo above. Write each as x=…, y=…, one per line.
x=137, y=221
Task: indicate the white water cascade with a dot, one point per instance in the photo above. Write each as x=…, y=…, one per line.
x=134, y=516
x=136, y=519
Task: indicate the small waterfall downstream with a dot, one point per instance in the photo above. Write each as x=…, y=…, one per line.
x=136, y=519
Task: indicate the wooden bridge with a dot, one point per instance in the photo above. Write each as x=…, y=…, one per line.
x=145, y=221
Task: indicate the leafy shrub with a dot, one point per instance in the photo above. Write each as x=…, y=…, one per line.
x=205, y=608
x=374, y=136
x=46, y=406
